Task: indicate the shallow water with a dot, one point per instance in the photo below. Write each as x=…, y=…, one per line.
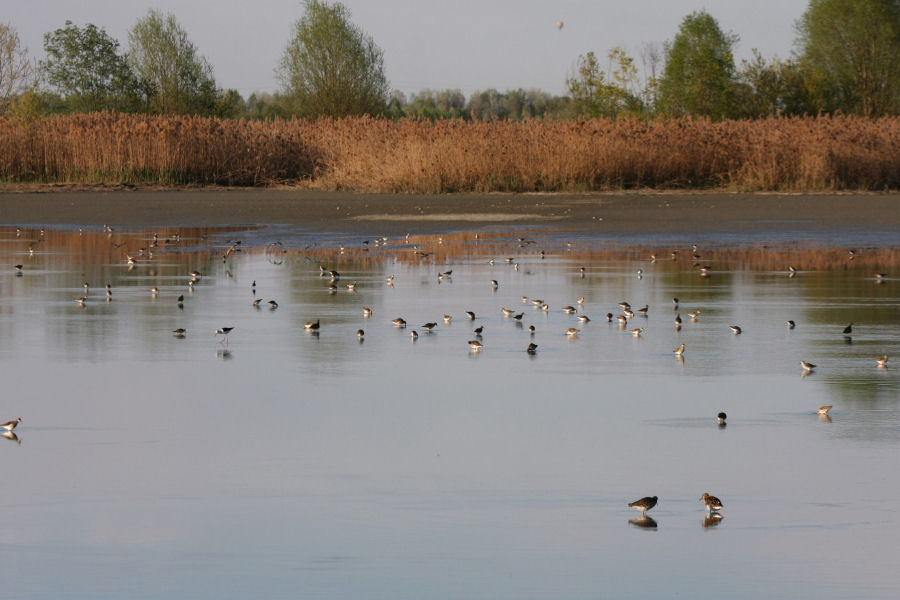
x=285, y=464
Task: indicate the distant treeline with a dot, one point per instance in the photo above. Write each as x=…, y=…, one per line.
x=846, y=61
x=425, y=156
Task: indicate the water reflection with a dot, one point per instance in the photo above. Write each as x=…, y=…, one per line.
x=410, y=458
x=712, y=520
x=644, y=521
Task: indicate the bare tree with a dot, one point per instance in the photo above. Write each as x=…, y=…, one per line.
x=17, y=72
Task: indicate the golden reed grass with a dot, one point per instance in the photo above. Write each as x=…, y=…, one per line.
x=419, y=156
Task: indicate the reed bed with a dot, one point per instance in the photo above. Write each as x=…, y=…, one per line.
x=419, y=156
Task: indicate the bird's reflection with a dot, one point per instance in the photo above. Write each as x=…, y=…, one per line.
x=644, y=521
x=679, y=358
x=11, y=436
x=824, y=417
x=712, y=520
x=223, y=353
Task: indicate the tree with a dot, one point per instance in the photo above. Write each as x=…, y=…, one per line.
x=174, y=77
x=17, y=73
x=699, y=71
x=330, y=67
x=853, y=47
x=595, y=93
x=85, y=68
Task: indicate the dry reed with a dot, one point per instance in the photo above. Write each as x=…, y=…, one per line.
x=418, y=156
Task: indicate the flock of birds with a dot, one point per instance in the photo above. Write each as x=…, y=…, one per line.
x=712, y=503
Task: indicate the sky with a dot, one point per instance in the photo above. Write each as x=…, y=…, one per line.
x=466, y=44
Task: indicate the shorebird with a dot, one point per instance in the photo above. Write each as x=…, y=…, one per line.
x=637, y=332
x=475, y=345
x=643, y=310
x=19, y=268
x=367, y=312
x=195, y=275
x=675, y=302
x=311, y=326
x=447, y=319
x=736, y=329
x=609, y=317
x=644, y=504
x=470, y=314
x=678, y=320
x=581, y=300
x=531, y=329
x=494, y=283
x=791, y=324
x=848, y=329
x=882, y=360
x=351, y=287
x=823, y=410
x=572, y=332
x=154, y=291
x=272, y=304
x=429, y=326
x=880, y=275
x=628, y=313
x=389, y=279
x=181, y=299
x=568, y=309
x=360, y=334
x=414, y=335
x=584, y=318
x=257, y=302
x=532, y=348
x=679, y=350
x=622, y=320
x=693, y=315
x=479, y=330
x=10, y=425
x=807, y=366
x=624, y=306
x=179, y=333
x=518, y=316
x=537, y=301
x=80, y=301
x=720, y=419
x=507, y=312
x=399, y=322
x=713, y=504
x=224, y=331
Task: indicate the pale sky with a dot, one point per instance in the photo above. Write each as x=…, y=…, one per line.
x=466, y=44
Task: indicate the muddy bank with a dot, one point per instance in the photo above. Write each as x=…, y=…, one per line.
x=622, y=215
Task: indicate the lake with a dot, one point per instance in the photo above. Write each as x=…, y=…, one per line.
x=283, y=463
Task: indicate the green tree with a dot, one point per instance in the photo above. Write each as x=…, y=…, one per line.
x=84, y=66
x=331, y=67
x=698, y=78
x=17, y=73
x=852, y=47
x=595, y=93
x=175, y=79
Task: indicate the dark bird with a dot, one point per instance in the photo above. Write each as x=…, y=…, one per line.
x=470, y=314
x=791, y=324
x=644, y=504
x=429, y=326
x=179, y=333
x=399, y=322
x=479, y=330
x=532, y=348
x=720, y=418
x=848, y=329
x=273, y=304
x=736, y=329
x=311, y=326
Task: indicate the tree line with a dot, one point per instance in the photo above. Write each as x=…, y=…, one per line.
x=846, y=60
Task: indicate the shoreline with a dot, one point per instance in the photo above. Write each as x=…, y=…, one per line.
x=627, y=215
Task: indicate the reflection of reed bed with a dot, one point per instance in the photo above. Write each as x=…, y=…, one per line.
x=463, y=247
x=365, y=154
x=466, y=246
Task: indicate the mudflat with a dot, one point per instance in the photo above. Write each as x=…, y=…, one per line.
x=627, y=214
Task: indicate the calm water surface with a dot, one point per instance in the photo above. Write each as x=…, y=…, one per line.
x=290, y=465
